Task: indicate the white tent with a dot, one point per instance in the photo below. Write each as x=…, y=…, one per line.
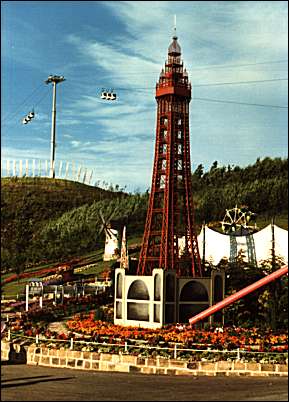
x=257, y=247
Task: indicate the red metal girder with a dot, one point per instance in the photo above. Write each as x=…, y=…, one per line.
x=238, y=295
x=170, y=210
x=171, y=90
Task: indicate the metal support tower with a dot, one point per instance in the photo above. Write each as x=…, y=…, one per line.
x=55, y=79
x=170, y=215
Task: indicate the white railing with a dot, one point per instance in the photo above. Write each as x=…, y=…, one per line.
x=173, y=348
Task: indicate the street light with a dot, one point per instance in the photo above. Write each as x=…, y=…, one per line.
x=55, y=79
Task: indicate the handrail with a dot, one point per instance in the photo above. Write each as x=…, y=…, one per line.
x=126, y=346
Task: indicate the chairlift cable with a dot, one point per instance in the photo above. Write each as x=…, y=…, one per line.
x=241, y=103
x=212, y=66
x=212, y=84
x=22, y=103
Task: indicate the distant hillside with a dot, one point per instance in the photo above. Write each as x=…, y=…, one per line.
x=263, y=187
x=48, y=197
x=28, y=204
x=52, y=220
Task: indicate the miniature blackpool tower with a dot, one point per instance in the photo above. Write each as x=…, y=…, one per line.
x=169, y=240
x=169, y=286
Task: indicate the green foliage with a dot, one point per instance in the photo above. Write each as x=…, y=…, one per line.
x=266, y=307
x=28, y=205
x=263, y=187
x=77, y=231
x=45, y=220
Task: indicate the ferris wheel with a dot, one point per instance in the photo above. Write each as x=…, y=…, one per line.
x=239, y=221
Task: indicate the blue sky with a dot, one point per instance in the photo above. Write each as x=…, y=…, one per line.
x=123, y=45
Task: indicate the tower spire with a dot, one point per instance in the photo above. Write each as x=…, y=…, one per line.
x=175, y=27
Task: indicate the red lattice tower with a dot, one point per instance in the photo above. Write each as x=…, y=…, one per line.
x=170, y=215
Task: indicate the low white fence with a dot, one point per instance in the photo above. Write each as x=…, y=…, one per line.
x=42, y=168
x=174, y=349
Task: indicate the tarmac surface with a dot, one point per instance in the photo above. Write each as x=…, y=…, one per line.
x=37, y=383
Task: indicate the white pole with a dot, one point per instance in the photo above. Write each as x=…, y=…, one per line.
x=66, y=170
x=33, y=168
x=52, y=169
x=78, y=174
x=62, y=294
x=27, y=297
x=238, y=354
x=84, y=176
x=90, y=176
x=53, y=125
x=27, y=168
x=14, y=168
x=60, y=169
x=71, y=343
x=46, y=168
x=20, y=168
x=7, y=168
x=39, y=168
x=73, y=170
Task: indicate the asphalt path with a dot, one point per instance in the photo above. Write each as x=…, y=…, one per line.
x=37, y=383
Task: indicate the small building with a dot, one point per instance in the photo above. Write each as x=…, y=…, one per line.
x=151, y=301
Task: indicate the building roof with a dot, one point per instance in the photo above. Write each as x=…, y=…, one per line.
x=174, y=46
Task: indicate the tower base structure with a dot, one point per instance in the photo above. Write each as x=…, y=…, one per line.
x=152, y=301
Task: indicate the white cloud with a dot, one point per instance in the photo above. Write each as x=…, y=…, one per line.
x=212, y=35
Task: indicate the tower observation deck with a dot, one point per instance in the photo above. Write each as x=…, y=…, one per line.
x=169, y=240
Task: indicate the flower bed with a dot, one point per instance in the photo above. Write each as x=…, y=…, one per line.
x=227, y=339
x=92, y=334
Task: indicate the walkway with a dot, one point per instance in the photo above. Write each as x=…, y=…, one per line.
x=36, y=383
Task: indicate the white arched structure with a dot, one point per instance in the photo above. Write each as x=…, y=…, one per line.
x=150, y=301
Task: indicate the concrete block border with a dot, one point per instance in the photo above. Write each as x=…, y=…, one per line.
x=66, y=358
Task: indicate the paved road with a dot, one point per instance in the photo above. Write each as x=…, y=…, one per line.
x=36, y=383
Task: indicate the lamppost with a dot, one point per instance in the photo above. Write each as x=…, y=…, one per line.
x=55, y=79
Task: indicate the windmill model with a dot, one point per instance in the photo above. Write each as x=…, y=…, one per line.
x=111, y=247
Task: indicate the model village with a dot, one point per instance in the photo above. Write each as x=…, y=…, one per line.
x=170, y=309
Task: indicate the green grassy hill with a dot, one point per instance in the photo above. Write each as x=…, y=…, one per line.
x=29, y=204
x=50, y=220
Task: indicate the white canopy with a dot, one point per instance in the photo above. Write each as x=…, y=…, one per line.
x=256, y=247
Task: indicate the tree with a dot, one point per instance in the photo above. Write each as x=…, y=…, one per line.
x=274, y=299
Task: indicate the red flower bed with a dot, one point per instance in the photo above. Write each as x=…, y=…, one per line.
x=229, y=338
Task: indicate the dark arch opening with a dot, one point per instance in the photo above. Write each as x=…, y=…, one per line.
x=157, y=287
x=138, y=290
x=218, y=288
x=119, y=286
x=194, y=291
x=170, y=288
